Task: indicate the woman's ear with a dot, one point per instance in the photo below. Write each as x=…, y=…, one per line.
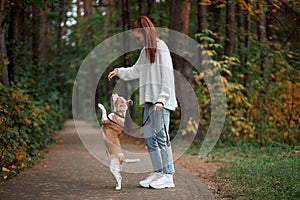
x=129, y=102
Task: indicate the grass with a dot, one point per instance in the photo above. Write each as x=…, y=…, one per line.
x=254, y=172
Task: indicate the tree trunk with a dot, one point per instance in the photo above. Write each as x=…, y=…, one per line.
x=78, y=24
x=142, y=7
x=202, y=13
x=88, y=36
x=88, y=30
x=61, y=22
x=242, y=27
x=107, y=27
x=35, y=35
x=270, y=24
x=262, y=34
x=179, y=21
x=230, y=28
x=15, y=38
x=216, y=23
x=124, y=21
x=79, y=107
x=247, y=43
x=45, y=36
x=4, y=78
x=145, y=7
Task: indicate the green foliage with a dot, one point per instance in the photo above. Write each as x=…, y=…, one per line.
x=272, y=82
x=262, y=99
x=26, y=128
x=236, y=123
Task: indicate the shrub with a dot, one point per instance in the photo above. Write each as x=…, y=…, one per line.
x=26, y=127
x=262, y=105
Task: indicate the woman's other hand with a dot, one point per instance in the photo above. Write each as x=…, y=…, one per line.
x=112, y=74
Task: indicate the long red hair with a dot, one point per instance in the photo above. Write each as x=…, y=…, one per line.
x=145, y=25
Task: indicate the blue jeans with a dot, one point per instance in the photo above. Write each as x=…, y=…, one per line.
x=155, y=139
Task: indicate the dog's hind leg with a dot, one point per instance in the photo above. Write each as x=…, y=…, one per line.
x=115, y=170
x=132, y=160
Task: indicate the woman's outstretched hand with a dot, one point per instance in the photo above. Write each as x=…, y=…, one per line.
x=112, y=74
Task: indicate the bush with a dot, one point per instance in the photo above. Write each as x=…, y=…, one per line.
x=26, y=127
x=262, y=105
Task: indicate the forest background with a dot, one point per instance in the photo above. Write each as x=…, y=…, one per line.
x=253, y=43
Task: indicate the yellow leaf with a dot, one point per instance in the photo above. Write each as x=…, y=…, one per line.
x=23, y=165
x=47, y=107
x=292, y=123
x=28, y=121
x=5, y=169
x=223, y=5
x=272, y=76
x=205, y=3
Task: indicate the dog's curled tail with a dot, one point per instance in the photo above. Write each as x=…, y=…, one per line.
x=104, y=113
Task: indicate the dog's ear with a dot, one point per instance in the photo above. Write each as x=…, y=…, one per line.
x=114, y=97
x=129, y=102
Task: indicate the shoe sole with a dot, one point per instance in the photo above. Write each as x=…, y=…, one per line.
x=170, y=185
x=144, y=186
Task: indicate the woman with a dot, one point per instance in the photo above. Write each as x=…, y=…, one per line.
x=154, y=69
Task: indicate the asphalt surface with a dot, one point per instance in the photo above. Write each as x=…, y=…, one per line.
x=71, y=170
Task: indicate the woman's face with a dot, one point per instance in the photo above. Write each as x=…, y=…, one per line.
x=139, y=36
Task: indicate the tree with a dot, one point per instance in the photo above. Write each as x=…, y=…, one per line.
x=15, y=37
x=230, y=28
x=179, y=21
x=125, y=24
x=202, y=13
x=35, y=35
x=108, y=26
x=4, y=78
x=261, y=32
x=145, y=7
x=45, y=35
x=242, y=31
x=78, y=23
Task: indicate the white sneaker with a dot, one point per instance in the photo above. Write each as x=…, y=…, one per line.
x=165, y=181
x=152, y=177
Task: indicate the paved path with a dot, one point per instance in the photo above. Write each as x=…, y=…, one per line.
x=69, y=171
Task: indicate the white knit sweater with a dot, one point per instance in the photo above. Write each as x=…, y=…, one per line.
x=156, y=80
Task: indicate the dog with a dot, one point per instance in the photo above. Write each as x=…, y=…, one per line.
x=112, y=130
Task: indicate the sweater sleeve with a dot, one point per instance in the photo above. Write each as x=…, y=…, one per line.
x=167, y=76
x=128, y=73
x=133, y=72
